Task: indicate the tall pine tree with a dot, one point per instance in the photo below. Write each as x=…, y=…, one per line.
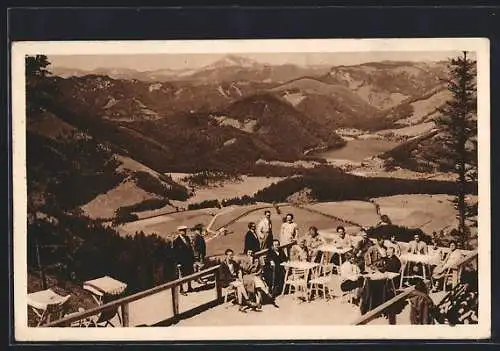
x=458, y=122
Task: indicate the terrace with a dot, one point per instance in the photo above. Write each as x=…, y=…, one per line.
x=165, y=306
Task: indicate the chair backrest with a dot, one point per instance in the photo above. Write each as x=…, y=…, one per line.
x=298, y=273
x=326, y=269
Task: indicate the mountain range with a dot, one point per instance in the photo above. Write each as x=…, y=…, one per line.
x=235, y=111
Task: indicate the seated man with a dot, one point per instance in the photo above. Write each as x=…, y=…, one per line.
x=231, y=274
x=299, y=251
x=252, y=268
x=342, y=241
x=313, y=242
x=417, y=246
x=274, y=272
x=350, y=276
x=435, y=252
x=361, y=248
x=393, y=243
x=374, y=257
x=450, y=260
x=391, y=262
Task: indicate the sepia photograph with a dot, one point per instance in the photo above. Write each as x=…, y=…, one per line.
x=251, y=189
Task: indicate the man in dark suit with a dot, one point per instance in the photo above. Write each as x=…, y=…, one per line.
x=199, y=249
x=251, y=239
x=232, y=274
x=184, y=255
x=274, y=272
x=391, y=261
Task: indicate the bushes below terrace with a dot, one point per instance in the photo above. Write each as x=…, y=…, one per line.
x=328, y=184
x=83, y=249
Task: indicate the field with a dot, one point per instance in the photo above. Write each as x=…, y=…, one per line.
x=226, y=190
x=125, y=194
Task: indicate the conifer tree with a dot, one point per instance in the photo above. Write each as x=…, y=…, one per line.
x=458, y=124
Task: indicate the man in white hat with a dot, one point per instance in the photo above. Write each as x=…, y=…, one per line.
x=184, y=255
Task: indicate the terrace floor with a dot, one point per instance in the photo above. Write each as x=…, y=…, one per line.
x=290, y=312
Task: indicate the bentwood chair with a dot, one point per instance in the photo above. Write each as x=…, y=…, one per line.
x=296, y=279
x=321, y=282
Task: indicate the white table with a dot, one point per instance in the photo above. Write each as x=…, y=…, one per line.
x=300, y=265
x=44, y=300
x=425, y=260
x=104, y=286
x=331, y=249
x=308, y=267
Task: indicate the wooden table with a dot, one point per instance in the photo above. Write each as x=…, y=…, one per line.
x=331, y=249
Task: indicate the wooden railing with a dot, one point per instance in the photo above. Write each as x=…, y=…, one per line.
x=376, y=312
x=124, y=303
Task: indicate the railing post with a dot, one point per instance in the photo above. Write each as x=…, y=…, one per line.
x=218, y=287
x=175, y=300
x=125, y=315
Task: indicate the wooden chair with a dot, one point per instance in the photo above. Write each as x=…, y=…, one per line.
x=452, y=274
x=335, y=291
x=296, y=278
x=321, y=281
x=228, y=291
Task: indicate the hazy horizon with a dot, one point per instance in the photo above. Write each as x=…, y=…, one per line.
x=151, y=62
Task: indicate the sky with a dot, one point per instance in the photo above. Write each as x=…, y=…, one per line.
x=147, y=62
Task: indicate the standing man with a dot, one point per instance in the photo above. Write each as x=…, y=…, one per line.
x=184, y=255
x=251, y=239
x=265, y=231
x=199, y=247
x=289, y=232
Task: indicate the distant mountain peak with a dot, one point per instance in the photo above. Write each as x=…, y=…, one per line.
x=232, y=61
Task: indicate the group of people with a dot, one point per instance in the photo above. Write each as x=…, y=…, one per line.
x=189, y=252
x=256, y=278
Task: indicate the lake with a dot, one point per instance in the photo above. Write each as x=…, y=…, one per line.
x=358, y=149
